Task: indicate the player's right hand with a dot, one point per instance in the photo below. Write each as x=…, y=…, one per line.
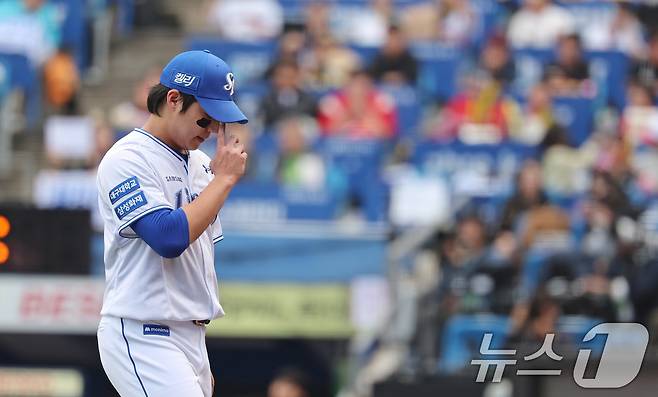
x=230, y=159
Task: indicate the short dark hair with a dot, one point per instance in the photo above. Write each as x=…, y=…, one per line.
x=158, y=96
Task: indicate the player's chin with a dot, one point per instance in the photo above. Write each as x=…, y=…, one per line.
x=196, y=142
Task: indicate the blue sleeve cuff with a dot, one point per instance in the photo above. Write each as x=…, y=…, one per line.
x=166, y=231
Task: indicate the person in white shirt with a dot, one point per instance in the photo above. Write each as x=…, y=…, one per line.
x=539, y=24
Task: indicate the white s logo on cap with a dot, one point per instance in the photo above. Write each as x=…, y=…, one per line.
x=230, y=80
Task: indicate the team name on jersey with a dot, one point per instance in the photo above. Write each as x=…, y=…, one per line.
x=173, y=178
x=123, y=189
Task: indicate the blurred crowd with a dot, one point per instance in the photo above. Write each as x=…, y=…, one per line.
x=575, y=231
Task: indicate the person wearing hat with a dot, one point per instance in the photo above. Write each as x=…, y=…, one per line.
x=159, y=198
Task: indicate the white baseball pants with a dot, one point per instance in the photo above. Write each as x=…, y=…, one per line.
x=155, y=358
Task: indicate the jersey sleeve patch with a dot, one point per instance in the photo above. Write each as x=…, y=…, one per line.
x=130, y=205
x=123, y=189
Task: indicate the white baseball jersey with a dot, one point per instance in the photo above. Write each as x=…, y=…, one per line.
x=139, y=175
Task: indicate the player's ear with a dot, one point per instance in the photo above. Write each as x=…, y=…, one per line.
x=173, y=98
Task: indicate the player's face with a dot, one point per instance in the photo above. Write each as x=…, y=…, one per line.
x=195, y=126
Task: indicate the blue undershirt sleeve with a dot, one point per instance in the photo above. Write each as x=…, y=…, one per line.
x=165, y=230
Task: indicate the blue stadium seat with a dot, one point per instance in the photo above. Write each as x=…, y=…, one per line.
x=529, y=65
x=248, y=60
x=125, y=16
x=6, y=81
x=609, y=69
x=408, y=108
x=366, y=54
x=74, y=30
x=462, y=338
x=360, y=161
x=577, y=115
x=489, y=13
x=438, y=74
x=23, y=76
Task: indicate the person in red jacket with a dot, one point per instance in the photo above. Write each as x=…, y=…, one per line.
x=358, y=110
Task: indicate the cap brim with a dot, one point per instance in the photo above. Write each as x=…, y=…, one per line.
x=224, y=111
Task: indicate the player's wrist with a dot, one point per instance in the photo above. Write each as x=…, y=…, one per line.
x=226, y=180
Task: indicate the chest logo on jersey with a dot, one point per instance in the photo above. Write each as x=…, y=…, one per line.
x=156, y=329
x=123, y=189
x=207, y=168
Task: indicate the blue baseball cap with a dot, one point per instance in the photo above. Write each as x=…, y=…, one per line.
x=209, y=79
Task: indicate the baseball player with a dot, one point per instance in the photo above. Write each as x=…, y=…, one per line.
x=160, y=198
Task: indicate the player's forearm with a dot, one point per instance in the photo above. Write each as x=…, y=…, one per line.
x=202, y=211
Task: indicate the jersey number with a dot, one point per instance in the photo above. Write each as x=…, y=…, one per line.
x=186, y=194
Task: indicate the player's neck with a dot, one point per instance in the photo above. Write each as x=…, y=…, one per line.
x=157, y=127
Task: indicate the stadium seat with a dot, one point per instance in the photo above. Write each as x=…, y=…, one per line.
x=462, y=338
x=24, y=77
x=74, y=30
x=577, y=115
x=439, y=66
x=249, y=61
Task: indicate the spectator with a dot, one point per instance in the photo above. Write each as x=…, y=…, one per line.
x=61, y=82
x=646, y=72
x=31, y=28
x=246, y=20
x=599, y=241
x=358, y=110
x=298, y=165
x=362, y=25
x=535, y=117
x=539, y=24
x=479, y=114
x=456, y=22
x=529, y=194
x=545, y=225
x=290, y=47
x=328, y=64
x=316, y=22
x=461, y=256
x=622, y=33
x=570, y=73
x=640, y=117
x=286, y=97
x=614, y=159
x=450, y=22
x=497, y=61
x=395, y=64
x=608, y=191
x=639, y=128
x=130, y=114
x=289, y=383
x=564, y=168
x=540, y=319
